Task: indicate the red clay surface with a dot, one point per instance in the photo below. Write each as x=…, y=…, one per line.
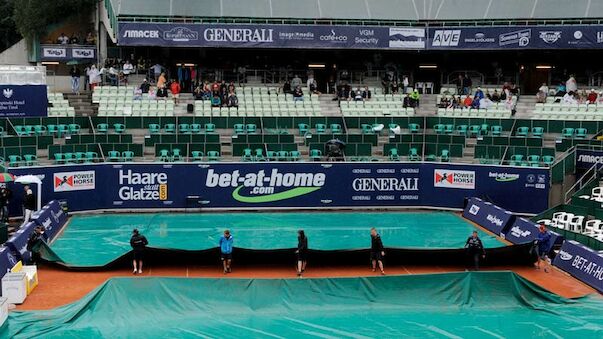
x=58, y=287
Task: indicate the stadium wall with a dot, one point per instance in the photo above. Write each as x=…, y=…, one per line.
x=289, y=185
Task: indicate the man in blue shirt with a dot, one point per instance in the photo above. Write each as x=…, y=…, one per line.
x=543, y=245
x=226, y=250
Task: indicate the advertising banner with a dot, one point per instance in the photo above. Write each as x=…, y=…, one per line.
x=23, y=101
x=269, y=36
x=18, y=242
x=66, y=53
x=52, y=218
x=489, y=216
x=273, y=185
x=524, y=231
x=581, y=262
x=516, y=37
x=585, y=159
x=7, y=261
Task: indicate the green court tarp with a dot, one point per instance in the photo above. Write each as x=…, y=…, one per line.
x=100, y=239
x=453, y=305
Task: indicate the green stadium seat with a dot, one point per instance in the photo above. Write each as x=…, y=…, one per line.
x=430, y=157
x=176, y=154
x=414, y=128
x=164, y=155
x=496, y=130
x=196, y=128
x=239, y=129
x=79, y=157
x=303, y=129
x=474, y=130
x=213, y=156
x=282, y=155
x=336, y=129
x=58, y=158
x=210, y=128
x=90, y=157
x=114, y=156
x=367, y=129
x=567, y=133
x=14, y=160
x=154, y=129
x=127, y=156
x=29, y=130
x=119, y=128
x=413, y=154
x=484, y=129
x=100, y=128
x=538, y=132
x=20, y=130
x=445, y=156
x=462, y=130
x=271, y=155
x=548, y=160
x=39, y=130
x=169, y=128
x=438, y=128
x=294, y=155
x=251, y=128
x=581, y=133
x=534, y=160
x=74, y=128
x=184, y=128
x=320, y=128
x=52, y=129
x=393, y=154
x=315, y=155
x=62, y=130
x=448, y=129
x=522, y=131
x=197, y=156
x=516, y=159
x=259, y=155
x=247, y=155
x=1, y=130
x=69, y=158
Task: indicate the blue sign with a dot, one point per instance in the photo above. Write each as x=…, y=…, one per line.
x=524, y=231
x=311, y=185
x=23, y=101
x=52, y=218
x=581, y=262
x=269, y=36
x=488, y=216
x=516, y=37
x=7, y=261
x=18, y=242
x=585, y=159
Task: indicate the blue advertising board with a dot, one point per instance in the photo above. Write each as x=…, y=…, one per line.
x=18, y=242
x=291, y=185
x=52, y=218
x=524, y=231
x=269, y=36
x=585, y=159
x=488, y=216
x=581, y=262
x=23, y=101
x=7, y=261
x=516, y=37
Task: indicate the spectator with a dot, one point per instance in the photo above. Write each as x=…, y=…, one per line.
x=152, y=95
x=479, y=95
x=75, y=79
x=459, y=85
x=510, y=104
x=144, y=87
x=310, y=80
x=90, y=39
x=29, y=204
x=571, y=85
x=296, y=82
x=157, y=68
x=298, y=95
x=414, y=98
x=231, y=88
x=485, y=103
x=386, y=82
x=569, y=99
x=405, y=84
x=444, y=102
x=561, y=90
x=287, y=87
x=5, y=195
x=467, y=83
x=600, y=98
x=206, y=91
x=366, y=93
x=127, y=69
x=495, y=97
x=232, y=100
x=395, y=87
x=161, y=80
x=162, y=92
x=468, y=102
x=223, y=88
x=63, y=39
x=358, y=95
x=112, y=75
x=74, y=40
x=175, y=88
x=216, y=101
x=313, y=86
x=514, y=90
x=198, y=92
x=215, y=88
x=138, y=93
x=592, y=96
x=93, y=77
x=543, y=92
x=406, y=102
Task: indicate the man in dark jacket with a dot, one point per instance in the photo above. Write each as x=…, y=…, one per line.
x=29, y=204
x=377, y=251
x=35, y=237
x=139, y=244
x=5, y=196
x=475, y=249
x=543, y=245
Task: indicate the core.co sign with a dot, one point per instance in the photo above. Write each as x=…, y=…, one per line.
x=74, y=181
x=454, y=179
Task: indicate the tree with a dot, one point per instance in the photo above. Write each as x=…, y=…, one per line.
x=8, y=30
x=32, y=17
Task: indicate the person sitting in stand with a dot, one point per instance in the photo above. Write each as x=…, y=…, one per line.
x=198, y=92
x=232, y=100
x=216, y=101
x=138, y=94
x=366, y=93
x=543, y=92
x=495, y=97
x=74, y=40
x=406, y=101
x=414, y=98
x=468, y=102
x=298, y=95
x=444, y=102
x=358, y=95
x=162, y=93
x=287, y=87
x=561, y=90
x=152, y=94
x=569, y=98
x=63, y=39
x=592, y=96
x=145, y=86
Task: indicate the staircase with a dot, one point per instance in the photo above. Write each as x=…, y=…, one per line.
x=82, y=103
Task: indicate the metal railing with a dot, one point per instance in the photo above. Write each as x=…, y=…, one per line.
x=586, y=178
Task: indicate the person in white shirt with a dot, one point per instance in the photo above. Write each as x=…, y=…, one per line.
x=93, y=77
x=63, y=39
x=405, y=84
x=127, y=69
x=571, y=85
x=543, y=92
x=568, y=98
x=296, y=82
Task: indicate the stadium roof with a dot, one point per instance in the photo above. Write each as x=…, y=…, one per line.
x=379, y=10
